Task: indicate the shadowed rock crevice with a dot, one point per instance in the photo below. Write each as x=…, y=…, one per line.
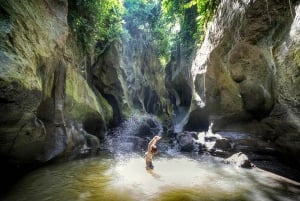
x=198, y=120
x=179, y=85
x=151, y=101
x=117, y=117
x=184, y=92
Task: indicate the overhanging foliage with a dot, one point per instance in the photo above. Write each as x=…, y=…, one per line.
x=95, y=21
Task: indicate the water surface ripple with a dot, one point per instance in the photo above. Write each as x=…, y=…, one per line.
x=124, y=178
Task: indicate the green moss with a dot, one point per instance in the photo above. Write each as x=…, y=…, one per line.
x=106, y=108
x=78, y=111
x=18, y=69
x=30, y=24
x=78, y=89
x=126, y=110
x=81, y=99
x=296, y=57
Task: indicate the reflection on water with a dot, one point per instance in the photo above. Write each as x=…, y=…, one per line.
x=125, y=178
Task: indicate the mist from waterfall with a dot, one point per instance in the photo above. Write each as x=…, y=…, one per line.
x=133, y=134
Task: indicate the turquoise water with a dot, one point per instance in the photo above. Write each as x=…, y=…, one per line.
x=124, y=177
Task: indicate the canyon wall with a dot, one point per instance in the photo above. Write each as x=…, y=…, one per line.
x=246, y=72
x=131, y=77
x=46, y=102
x=56, y=100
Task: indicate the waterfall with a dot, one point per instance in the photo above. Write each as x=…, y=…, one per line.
x=181, y=118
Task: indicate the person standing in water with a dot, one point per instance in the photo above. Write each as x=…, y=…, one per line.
x=152, y=149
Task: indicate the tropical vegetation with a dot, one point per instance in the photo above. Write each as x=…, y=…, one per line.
x=167, y=22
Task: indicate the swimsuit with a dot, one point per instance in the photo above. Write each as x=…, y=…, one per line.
x=149, y=164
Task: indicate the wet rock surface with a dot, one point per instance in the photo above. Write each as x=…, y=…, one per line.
x=187, y=141
x=133, y=135
x=248, y=150
x=246, y=73
x=240, y=160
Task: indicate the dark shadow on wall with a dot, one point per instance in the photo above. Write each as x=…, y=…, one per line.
x=184, y=92
x=151, y=101
x=198, y=120
x=117, y=118
x=95, y=125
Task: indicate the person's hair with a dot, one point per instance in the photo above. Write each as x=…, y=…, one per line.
x=154, y=150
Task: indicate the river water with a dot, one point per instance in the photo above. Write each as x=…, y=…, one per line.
x=123, y=177
x=119, y=174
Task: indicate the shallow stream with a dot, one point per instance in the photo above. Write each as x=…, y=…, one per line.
x=123, y=177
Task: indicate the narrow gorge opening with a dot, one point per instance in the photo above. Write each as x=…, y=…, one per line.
x=87, y=87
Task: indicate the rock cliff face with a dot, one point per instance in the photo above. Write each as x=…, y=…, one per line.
x=131, y=77
x=56, y=101
x=46, y=102
x=247, y=71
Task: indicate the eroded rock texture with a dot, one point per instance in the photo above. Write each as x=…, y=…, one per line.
x=248, y=70
x=56, y=100
x=47, y=106
x=131, y=77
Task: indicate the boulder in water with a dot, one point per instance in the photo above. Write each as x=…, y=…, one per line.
x=220, y=143
x=187, y=141
x=239, y=159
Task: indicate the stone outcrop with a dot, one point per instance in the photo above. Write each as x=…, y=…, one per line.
x=130, y=76
x=48, y=109
x=239, y=160
x=246, y=73
x=188, y=141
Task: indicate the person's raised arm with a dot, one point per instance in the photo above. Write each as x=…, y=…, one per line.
x=153, y=142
